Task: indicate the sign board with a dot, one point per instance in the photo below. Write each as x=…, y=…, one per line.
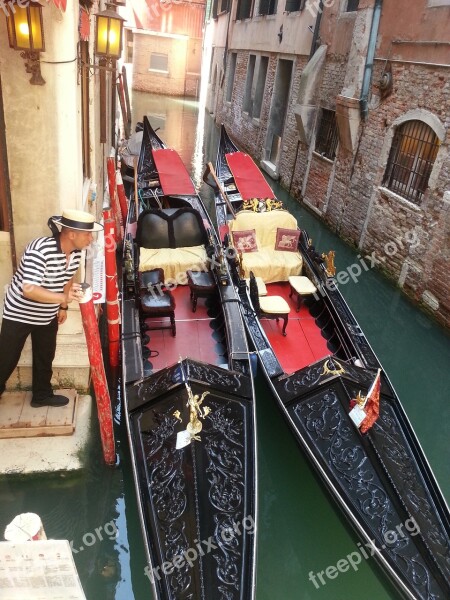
x=98, y=269
x=39, y=570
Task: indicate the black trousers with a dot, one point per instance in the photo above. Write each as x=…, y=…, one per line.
x=43, y=340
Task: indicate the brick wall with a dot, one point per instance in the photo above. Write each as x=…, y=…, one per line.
x=411, y=242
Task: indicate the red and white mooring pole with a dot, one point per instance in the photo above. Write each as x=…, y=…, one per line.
x=113, y=200
x=101, y=391
x=112, y=290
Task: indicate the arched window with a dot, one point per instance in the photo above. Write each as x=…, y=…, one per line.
x=413, y=152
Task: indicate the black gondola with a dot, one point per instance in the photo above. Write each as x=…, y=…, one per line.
x=188, y=396
x=380, y=478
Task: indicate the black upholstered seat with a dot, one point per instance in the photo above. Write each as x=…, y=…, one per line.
x=149, y=279
x=201, y=285
x=155, y=300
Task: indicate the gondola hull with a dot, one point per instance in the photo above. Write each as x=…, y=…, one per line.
x=191, y=423
x=380, y=479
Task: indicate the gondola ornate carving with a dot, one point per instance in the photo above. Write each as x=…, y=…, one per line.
x=380, y=478
x=191, y=424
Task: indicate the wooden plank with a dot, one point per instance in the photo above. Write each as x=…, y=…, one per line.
x=62, y=415
x=10, y=408
x=19, y=419
x=32, y=417
x=36, y=432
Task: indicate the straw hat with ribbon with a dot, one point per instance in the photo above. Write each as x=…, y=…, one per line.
x=77, y=219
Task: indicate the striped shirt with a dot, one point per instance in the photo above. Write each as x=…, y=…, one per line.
x=43, y=264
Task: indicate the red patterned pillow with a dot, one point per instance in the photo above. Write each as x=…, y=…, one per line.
x=245, y=241
x=287, y=239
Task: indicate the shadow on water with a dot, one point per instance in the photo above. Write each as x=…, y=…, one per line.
x=300, y=530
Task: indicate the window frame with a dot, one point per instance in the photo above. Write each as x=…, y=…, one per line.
x=231, y=76
x=159, y=55
x=327, y=136
x=349, y=2
x=294, y=6
x=244, y=10
x=247, y=103
x=261, y=80
x=267, y=7
x=408, y=170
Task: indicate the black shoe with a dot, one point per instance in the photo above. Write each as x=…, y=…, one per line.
x=54, y=400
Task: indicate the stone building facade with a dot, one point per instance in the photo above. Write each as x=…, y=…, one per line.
x=353, y=119
x=166, y=42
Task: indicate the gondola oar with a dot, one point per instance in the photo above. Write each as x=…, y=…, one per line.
x=210, y=170
x=136, y=197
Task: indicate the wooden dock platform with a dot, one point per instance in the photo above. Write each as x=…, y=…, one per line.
x=18, y=419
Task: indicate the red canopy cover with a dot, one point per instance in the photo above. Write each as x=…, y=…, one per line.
x=173, y=176
x=248, y=178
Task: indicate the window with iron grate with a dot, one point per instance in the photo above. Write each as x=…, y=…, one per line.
x=352, y=5
x=413, y=152
x=244, y=9
x=294, y=5
x=327, y=136
x=268, y=7
x=231, y=74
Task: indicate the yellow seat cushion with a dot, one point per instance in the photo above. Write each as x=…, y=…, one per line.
x=174, y=261
x=262, y=290
x=272, y=265
x=274, y=305
x=269, y=264
x=302, y=285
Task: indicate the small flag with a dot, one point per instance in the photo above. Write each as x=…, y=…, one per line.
x=365, y=411
x=372, y=405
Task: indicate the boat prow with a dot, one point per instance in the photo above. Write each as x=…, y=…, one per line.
x=197, y=509
x=330, y=386
x=191, y=421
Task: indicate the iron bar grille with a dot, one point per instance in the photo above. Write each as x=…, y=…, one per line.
x=327, y=136
x=352, y=5
x=411, y=160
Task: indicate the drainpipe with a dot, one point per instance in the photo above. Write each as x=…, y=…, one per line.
x=316, y=30
x=368, y=68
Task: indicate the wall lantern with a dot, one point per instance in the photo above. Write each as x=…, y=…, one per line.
x=26, y=34
x=108, y=34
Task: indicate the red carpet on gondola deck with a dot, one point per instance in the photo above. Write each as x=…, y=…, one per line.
x=173, y=175
x=248, y=178
x=303, y=343
x=194, y=334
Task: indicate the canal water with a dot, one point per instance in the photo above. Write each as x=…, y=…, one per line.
x=299, y=529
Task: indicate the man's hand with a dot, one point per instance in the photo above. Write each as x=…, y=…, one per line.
x=62, y=316
x=75, y=292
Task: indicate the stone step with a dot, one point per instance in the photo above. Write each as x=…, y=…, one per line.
x=71, y=351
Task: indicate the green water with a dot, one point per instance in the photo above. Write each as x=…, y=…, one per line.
x=299, y=530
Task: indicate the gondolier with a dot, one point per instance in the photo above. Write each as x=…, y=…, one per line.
x=37, y=300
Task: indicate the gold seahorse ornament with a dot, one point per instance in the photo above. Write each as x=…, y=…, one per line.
x=330, y=269
x=196, y=411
